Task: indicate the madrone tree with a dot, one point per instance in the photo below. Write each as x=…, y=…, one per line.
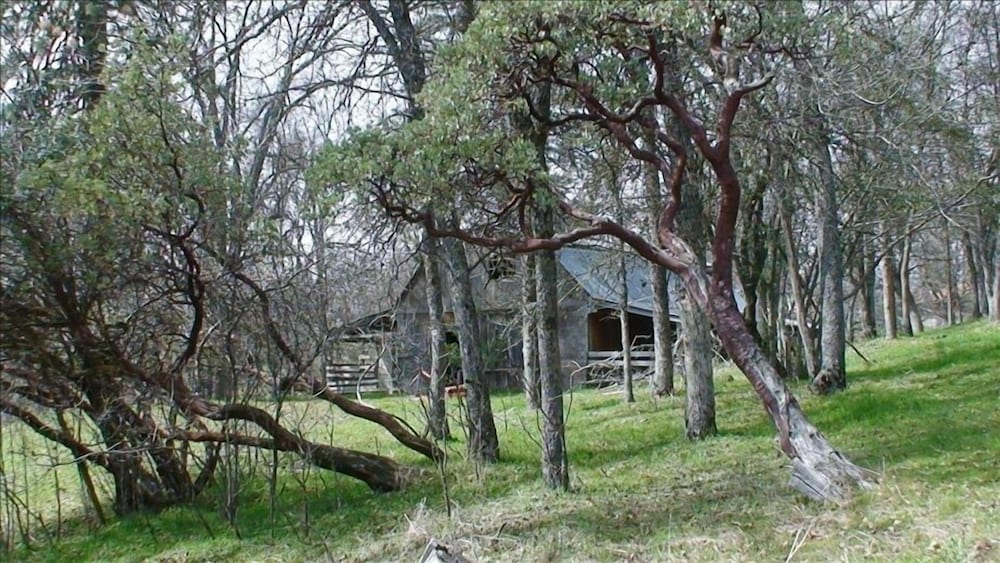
x=466, y=154
x=113, y=285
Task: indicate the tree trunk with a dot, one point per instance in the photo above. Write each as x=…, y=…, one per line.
x=529, y=333
x=555, y=455
x=996, y=293
x=663, y=337
x=92, y=22
x=695, y=333
x=832, y=375
x=555, y=463
x=627, y=391
x=772, y=316
x=970, y=262
x=484, y=447
x=699, y=413
x=915, y=320
x=888, y=288
x=866, y=288
x=798, y=294
x=381, y=474
x=83, y=470
x=753, y=247
x=904, y=286
x=390, y=422
x=437, y=419
x=950, y=275
x=818, y=470
x=985, y=247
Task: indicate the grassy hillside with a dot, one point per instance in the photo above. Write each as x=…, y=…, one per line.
x=924, y=414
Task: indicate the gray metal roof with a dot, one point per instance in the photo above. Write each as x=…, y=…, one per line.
x=598, y=271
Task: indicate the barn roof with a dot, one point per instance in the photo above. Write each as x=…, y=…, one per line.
x=598, y=272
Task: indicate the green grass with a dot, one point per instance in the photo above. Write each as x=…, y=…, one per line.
x=924, y=415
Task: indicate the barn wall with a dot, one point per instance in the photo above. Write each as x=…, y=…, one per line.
x=573, y=309
x=410, y=345
x=498, y=301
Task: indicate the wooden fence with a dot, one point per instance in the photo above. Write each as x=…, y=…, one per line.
x=351, y=378
x=605, y=368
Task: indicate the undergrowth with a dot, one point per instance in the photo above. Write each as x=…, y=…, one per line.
x=923, y=414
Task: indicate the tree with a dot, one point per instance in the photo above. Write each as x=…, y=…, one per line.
x=695, y=328
x=529, y=333
x=404, y=47
x=510, y=51
x=437, y=419
x=555, y=456
x=129, y=236
x=662, y=383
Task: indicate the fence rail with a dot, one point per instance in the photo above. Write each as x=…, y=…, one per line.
x=640, y=358
x=605, y=367
x=347, y=378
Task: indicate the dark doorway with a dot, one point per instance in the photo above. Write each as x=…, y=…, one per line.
x=605, y=333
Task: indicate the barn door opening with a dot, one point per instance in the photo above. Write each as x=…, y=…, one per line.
x=605, y=335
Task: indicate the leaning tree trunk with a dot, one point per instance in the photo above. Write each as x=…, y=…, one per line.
x=437, y=420
x=484, y=446
x=818, y=470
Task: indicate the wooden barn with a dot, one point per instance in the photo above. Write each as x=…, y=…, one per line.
x=589, y=280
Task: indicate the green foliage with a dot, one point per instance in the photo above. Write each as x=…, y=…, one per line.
x=468, y=140
x=470, y=147
x=923, y=415
x=94, y=183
